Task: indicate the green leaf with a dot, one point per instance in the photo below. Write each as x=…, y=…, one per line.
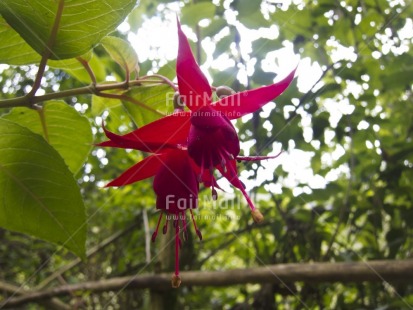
x=193, y=13
x=223, y=45
x=261, y=77
x=13, y=49
x=168, y=70
x=121, y=52
x=262, y=46
x=39, y=194
x=100, y=104
x=246, y=7
x=254, y=20
x=217, y=24
x=150, y=103
x=73, y=67
x=225, y=77
x=82, y=24
x=67, y=131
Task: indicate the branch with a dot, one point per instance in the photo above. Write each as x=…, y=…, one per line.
x=91, y=89
x=15, y=290
x=373, y=271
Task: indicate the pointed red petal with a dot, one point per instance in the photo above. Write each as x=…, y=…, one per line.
x=249, y=101
x=142, y=170
x=175, y=183
x=194, y=88
x=230, y=173
x=167, y=132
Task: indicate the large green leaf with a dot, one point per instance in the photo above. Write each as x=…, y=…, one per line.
x=13, y=49
x=121, y=52
x=82, y=24
x=67, y=131
x=192, y=14
x=39, y=195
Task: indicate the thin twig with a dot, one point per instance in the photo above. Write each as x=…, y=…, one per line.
x=94, y=250
x=88, y=69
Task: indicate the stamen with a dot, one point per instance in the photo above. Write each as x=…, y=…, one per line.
x=155, y=233
x=211, y=171
x=184, y=225
x=165, y=227
x=257, y=216
x=243, y=185
x=198, y=232
x=176, y=280
x=242, y=189
x=214, y=193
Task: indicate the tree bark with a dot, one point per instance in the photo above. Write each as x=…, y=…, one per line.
x=373, y=271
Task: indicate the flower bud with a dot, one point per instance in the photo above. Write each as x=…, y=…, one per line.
x=224, y=91
x=176, y=281
x=257, y=216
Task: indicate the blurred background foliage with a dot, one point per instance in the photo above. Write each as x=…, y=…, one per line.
x=340, y=191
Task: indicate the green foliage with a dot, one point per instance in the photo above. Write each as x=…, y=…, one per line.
x=62, y=127
x=39, y=194
x=149, y=103
x=341, y=190
x=81, y=26
x=121, y=52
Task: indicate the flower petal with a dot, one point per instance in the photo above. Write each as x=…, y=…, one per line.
x=175, y=183
x=249, y=101
x=209, y=147
x=168, y=132
x=193, y=86
x=231, y=174
x=207, y=117
x=140, y=171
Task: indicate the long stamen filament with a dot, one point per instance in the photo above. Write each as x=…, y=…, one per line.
x=184, y=225
x=198, y=232
x=176, y=280
x=155, y=233
x=165, y=227
x=177, y=248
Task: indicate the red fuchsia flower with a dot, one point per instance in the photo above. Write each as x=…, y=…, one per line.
x=187, y=146
x=212, y=139
x=175, y=183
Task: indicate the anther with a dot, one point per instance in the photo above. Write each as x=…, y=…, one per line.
x=214, y=194
x=257, y=216
x=176, y=281
x=198, y=232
